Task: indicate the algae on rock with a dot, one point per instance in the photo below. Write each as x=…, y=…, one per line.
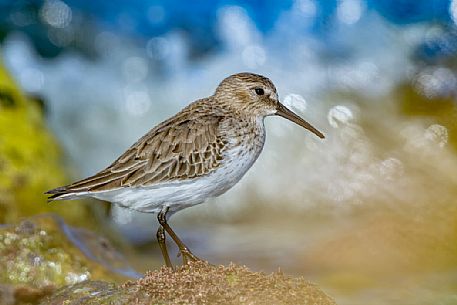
x=42, y=254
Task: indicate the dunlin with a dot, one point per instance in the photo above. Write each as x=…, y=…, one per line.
x=199, y=153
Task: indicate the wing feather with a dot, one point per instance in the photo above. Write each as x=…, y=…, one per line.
x=175, y=150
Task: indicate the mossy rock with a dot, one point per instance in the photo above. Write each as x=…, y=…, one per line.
x=42, y=254
x=197, y=283
x=29, y=160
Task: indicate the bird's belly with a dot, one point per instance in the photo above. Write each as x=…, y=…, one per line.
x=176, y=196
x=181, y=194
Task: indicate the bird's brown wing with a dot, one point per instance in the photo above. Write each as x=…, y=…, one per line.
x=180, y=148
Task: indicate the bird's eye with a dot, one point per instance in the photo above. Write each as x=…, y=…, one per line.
x=259, y=91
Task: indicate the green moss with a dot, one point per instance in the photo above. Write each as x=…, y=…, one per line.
x=29, y=159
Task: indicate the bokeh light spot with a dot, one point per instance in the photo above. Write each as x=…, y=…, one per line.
x=236, y=28
x=391, y=169
x=56, y=13
x=158, y=48
x=435, y=82
x=295, y=101
x=306, y=7
x=437, y=134
x=338, y=115
x=349, y=11
x=453, y=10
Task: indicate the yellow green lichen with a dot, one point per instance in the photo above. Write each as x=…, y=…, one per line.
x=29, y=159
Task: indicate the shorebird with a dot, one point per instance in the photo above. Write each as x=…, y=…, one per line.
x=200, y=152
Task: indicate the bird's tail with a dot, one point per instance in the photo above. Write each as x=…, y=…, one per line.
x=61, y=193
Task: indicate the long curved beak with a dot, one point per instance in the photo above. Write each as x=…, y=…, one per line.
x=287, y=114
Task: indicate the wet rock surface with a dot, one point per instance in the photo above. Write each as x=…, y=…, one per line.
x=196, y=283
x=90, y=292
x=43, y=253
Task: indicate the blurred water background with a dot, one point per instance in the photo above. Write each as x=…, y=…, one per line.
x=370, y=214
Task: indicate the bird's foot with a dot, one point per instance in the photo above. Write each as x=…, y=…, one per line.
x=188, y=256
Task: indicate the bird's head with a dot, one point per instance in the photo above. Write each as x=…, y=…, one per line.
x=255, y=95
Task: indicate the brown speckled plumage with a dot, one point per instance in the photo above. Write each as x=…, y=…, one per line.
x=188, y=145
x=180, y=148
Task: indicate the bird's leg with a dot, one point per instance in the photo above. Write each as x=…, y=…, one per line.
x=185, y=252
x=163, y=246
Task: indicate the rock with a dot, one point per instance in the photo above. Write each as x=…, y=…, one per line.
x=43, y=253
x=196, y=283
x=29, y=160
